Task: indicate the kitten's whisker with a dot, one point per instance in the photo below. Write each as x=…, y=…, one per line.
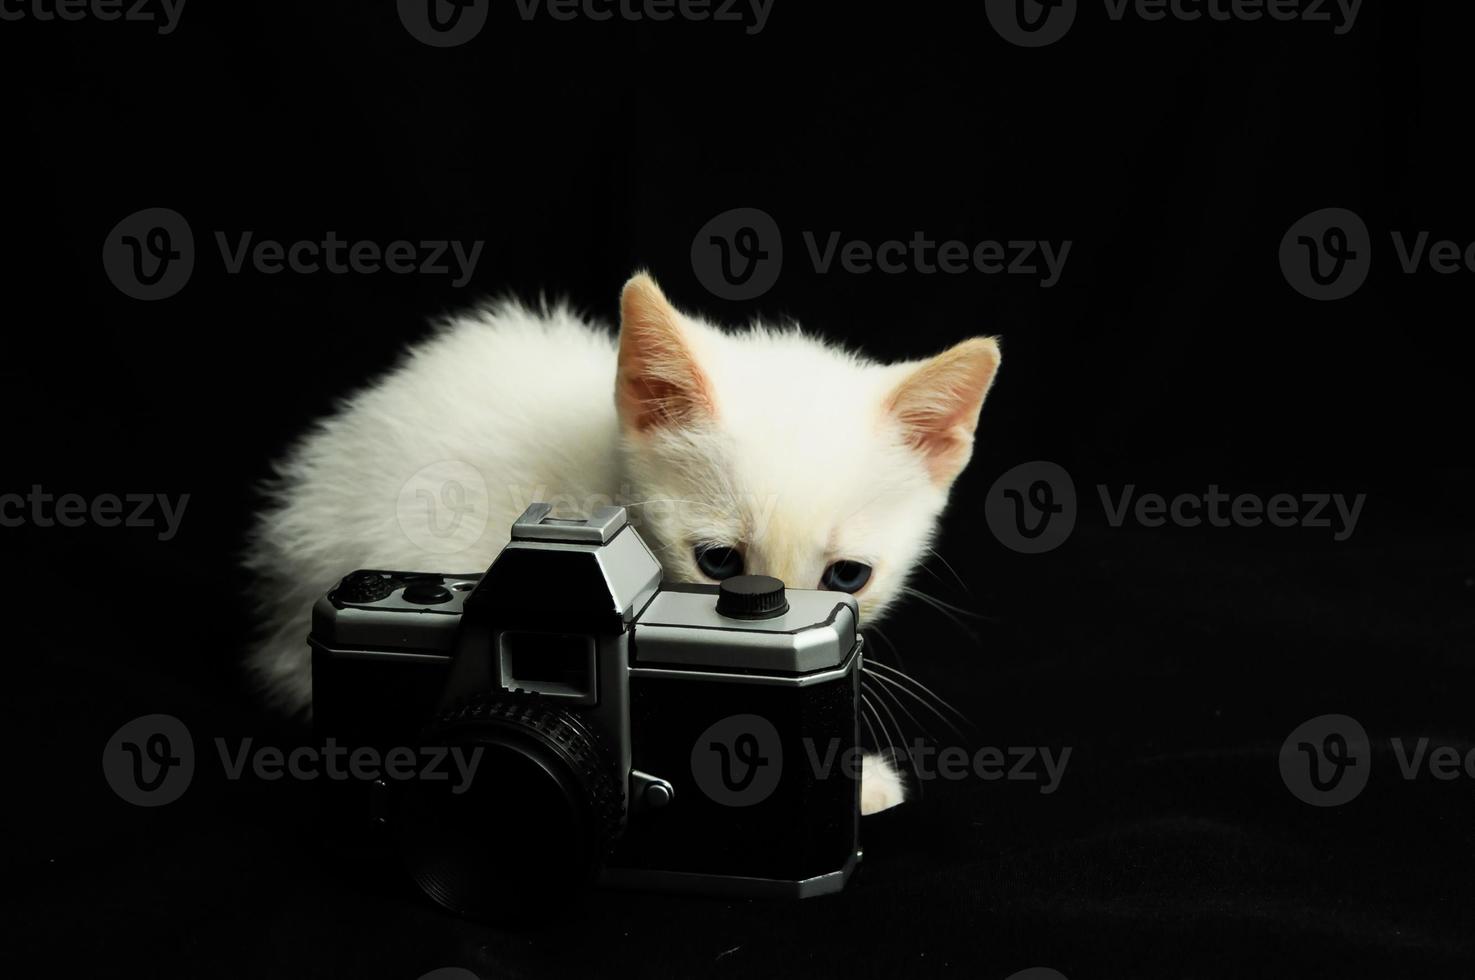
x=881, y=723
x=922, y=566
x=949, y=567
x=884, y=692
x=906, y=749
x=937, y=712
x=900, y=689
x=908, y=678
x=889, y=642
x=890, y=745
x=940, y=604
x=945, y=610
x=864, y=705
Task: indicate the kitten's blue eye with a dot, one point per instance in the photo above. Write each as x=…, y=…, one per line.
x=846, y=576
x=718, y=562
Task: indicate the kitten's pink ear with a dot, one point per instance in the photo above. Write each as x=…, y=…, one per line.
x=938, y=403
x=658, y=381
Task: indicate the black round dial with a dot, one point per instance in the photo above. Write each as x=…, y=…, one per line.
x=752, y=597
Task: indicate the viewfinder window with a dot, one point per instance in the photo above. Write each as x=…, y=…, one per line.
x=555, y=665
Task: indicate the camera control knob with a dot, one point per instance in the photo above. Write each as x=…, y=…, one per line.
x=426, y=593
x=751, y=597
x=363, y=587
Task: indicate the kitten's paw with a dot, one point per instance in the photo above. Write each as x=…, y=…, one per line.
x=880, y=785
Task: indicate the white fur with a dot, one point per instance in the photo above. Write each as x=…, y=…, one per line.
x=427, y=468
x=880, y=785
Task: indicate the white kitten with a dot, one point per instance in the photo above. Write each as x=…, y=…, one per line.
x=765, y=449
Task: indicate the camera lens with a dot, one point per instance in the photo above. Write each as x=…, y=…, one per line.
x=533, y=816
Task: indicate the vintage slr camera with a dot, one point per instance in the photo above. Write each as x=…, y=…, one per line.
x=675, y=737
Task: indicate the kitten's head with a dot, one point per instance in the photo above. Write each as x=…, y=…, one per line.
x=768, y=452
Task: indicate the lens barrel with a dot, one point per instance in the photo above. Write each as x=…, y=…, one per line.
x=530, y=807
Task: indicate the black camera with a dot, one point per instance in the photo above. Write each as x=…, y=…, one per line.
x=694, y=738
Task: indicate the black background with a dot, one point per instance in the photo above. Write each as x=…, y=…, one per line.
x=1172, y=355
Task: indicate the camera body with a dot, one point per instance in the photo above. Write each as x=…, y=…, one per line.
x=673, y=737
